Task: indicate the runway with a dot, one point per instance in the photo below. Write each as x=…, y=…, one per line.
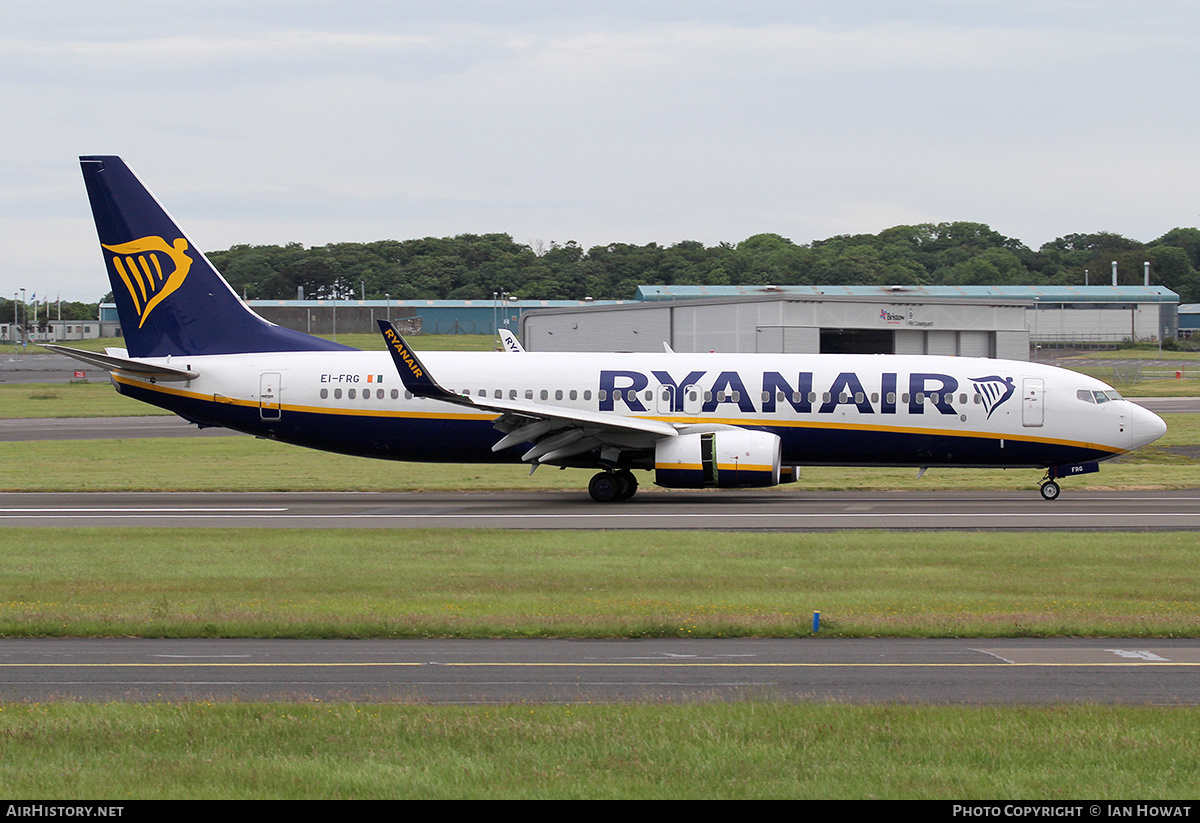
x=104, y=428
x=796, y=511
x=995, y=671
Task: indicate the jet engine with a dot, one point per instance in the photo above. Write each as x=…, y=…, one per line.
x=728, y=458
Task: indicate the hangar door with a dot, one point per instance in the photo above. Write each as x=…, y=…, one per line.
x=786, y=340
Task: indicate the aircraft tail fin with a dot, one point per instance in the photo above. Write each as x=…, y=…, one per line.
x=170, y=299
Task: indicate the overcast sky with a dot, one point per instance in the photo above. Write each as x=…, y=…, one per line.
x=270, y=122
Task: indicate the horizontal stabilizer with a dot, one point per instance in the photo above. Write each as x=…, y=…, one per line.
x=138, y=367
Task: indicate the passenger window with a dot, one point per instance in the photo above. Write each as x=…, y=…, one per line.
x=602, y=395
x=858, y=397
x=337, y=394
x=545, y=394
x=574, y=394
x=324, y=393
x=558, y=394
x=350, y=393
x=891, y=398
x=587, y=394
x=395, y=394
x=529, y=394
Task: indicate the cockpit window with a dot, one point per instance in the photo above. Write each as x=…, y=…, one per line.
x=1091, y=396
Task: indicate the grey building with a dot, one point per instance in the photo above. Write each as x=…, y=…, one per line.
x=976, y=321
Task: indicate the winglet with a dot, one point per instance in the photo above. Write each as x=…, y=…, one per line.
x=510, y=341
x=413, y=374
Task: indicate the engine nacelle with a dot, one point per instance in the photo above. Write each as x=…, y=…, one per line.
x=724, y=459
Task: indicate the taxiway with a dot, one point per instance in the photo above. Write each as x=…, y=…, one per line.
x=979, y=671
x=776, y=510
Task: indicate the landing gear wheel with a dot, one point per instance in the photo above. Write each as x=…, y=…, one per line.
x=604, y=487
x=628, y=484
x=1050, y=490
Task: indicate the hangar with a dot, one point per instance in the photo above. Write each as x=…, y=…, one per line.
x=974, y=321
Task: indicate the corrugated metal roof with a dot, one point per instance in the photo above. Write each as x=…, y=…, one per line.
x=1054, y=294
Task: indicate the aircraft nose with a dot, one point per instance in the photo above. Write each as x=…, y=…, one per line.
x=1145, y=427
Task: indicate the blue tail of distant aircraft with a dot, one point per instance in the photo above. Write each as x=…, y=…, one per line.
x=170, y=299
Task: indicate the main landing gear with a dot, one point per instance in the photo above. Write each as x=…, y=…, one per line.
x=606, y=487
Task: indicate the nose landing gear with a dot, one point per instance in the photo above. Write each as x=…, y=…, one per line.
x=1050, y=490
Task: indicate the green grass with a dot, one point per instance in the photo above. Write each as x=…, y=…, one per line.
x=99, y=399
x=478, y=583
x=1141, y=353
x=367, y=583
x=751, y=749
x=423, y=342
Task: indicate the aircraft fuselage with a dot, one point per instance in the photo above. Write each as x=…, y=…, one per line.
x=826, y=409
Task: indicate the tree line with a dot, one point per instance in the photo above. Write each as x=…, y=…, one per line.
x=476, y=266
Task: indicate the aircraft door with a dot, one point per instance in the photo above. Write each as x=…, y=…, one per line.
x=268, y=396
x=1032, y=405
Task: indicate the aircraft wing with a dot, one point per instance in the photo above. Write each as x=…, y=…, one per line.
x=111, y=362
x=558, y=433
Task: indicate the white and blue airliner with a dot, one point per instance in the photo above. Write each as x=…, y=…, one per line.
x=694, y=420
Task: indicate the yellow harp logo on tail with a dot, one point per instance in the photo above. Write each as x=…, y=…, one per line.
x=150, y=269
